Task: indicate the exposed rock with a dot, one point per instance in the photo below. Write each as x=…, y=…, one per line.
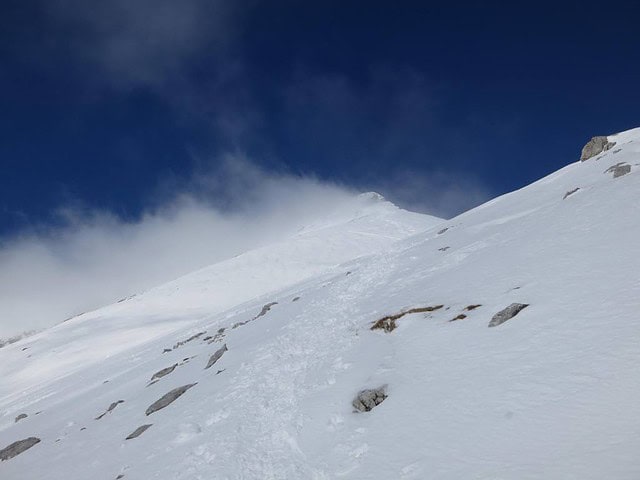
x=619, y=169
x=295, y=299
x=265, y=309
x=16, y=448
x=595, y=146
x=166, y=350
x=571, y=192
x=462, y=316
x=262, y=313
x=110, y=409
x=191, y=338
x=216, y=356
x=388, y=323
x=137, y=432
x=443, y=230
x=167, y=399
x=507, y=314
x=443, y=249
x=468, y=308
x=218, y=336
x=163, y=372
x=368, y=399
x=22, y=416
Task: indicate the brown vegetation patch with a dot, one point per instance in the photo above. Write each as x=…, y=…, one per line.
x=388, y=323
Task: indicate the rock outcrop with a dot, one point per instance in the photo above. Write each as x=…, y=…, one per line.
x=595, y=146
x=507, y=314
x=368, y=399
x=16, y=448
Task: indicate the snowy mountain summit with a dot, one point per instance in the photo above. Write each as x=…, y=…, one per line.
x=374, y=344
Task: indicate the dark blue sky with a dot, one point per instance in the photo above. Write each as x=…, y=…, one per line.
x=102, y=102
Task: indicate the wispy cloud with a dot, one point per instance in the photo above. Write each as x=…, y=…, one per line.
x=94, y=258
x=143, y=42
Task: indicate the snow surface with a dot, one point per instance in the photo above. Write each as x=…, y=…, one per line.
x=551, y=393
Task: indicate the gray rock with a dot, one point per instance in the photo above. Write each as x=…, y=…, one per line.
x=216, y=356
x=168, y=398
x=595, y=146
x=368, y=399
x=619, y=169
x=22, y=416
x=138, y=431
x=110, y=409
x=507, y=314
x=16, y=448
x=570, y=192
x=163, y=372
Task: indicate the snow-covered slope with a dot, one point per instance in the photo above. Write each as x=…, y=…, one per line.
x=550, y=393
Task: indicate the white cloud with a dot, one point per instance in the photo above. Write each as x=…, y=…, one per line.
x=95, y=258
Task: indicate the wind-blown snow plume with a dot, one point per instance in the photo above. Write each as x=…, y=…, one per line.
x=49, y=274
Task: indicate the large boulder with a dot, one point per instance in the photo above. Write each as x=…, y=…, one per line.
x=595, y=146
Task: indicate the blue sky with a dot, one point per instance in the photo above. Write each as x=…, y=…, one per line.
x=104, y=104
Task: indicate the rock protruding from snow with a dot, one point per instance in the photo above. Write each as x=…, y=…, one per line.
x=22, y=416
x=595, y=146
x=368, y=399
x=168, y=398
x=619, y=169
x=507, y=314
x=216, y=356
x=165, y=371
x=110, y=409
x=16, y=448
x=138, y=431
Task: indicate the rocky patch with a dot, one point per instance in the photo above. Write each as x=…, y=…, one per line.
x=190, y=339
x=16, y=448
x=217, y=337
x=367, y=400
x=216, y=356
x=619, y=169
x=263, y=312
x=507, y=314
x=443, y=230
x=468, y=308
x=462, y=316
x=137, y=432
x=167, y=399
x=388, y=323
x=594, y=147
x=110, y=409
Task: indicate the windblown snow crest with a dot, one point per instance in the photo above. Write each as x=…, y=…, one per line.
x=363, y=360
